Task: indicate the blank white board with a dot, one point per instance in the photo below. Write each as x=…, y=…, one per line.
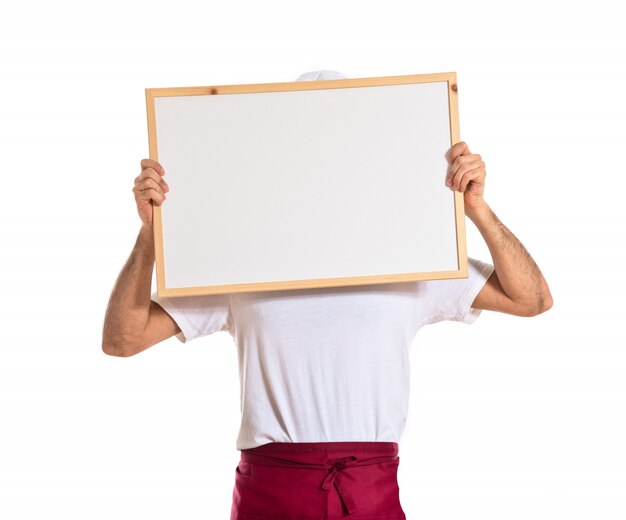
x=306, y=184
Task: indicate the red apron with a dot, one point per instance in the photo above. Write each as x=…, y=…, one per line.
x=318, y=481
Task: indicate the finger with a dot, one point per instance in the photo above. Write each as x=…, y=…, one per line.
x=465, y=167
x=461, y=159
x=455, y=179
x=151, y=163
x=459, y=148
x=469, y=176
x=458, y=163
x=151, y=173
x=149, y=194
x=149, y=182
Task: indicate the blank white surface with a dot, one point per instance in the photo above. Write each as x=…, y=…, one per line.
x=307, y=184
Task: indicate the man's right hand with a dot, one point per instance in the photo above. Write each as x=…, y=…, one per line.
x=149, y=186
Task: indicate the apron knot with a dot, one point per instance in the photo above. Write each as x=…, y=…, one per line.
x=330, y=480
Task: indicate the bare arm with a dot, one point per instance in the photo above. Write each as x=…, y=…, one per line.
x=133, y=322
x=517, y=285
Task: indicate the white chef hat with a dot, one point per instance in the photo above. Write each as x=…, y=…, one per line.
x=320, y=74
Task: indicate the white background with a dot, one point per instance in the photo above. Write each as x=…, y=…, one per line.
x=509, y=418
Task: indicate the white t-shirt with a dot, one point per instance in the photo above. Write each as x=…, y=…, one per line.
x=327, y=364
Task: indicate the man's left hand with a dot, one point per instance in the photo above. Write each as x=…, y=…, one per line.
x=466, y=173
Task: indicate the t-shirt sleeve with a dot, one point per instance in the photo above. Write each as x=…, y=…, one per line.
x=197, y=315
x=451, y=299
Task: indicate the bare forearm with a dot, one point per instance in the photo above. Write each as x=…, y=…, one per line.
x=517, y=272
x=129, y=305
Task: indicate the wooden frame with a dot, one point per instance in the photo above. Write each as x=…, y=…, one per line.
x=174, y=118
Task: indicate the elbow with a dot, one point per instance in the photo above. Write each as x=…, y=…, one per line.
x=539, y=307
x=113, y=349
x=547, y=303
x=120, y=347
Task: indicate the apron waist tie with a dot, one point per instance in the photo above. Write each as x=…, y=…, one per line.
x=331, y=478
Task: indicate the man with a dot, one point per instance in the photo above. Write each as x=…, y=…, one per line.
x=324, y=373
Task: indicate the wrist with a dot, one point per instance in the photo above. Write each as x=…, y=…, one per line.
x=478, y=212
x=147, y=230
x=145, y=241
